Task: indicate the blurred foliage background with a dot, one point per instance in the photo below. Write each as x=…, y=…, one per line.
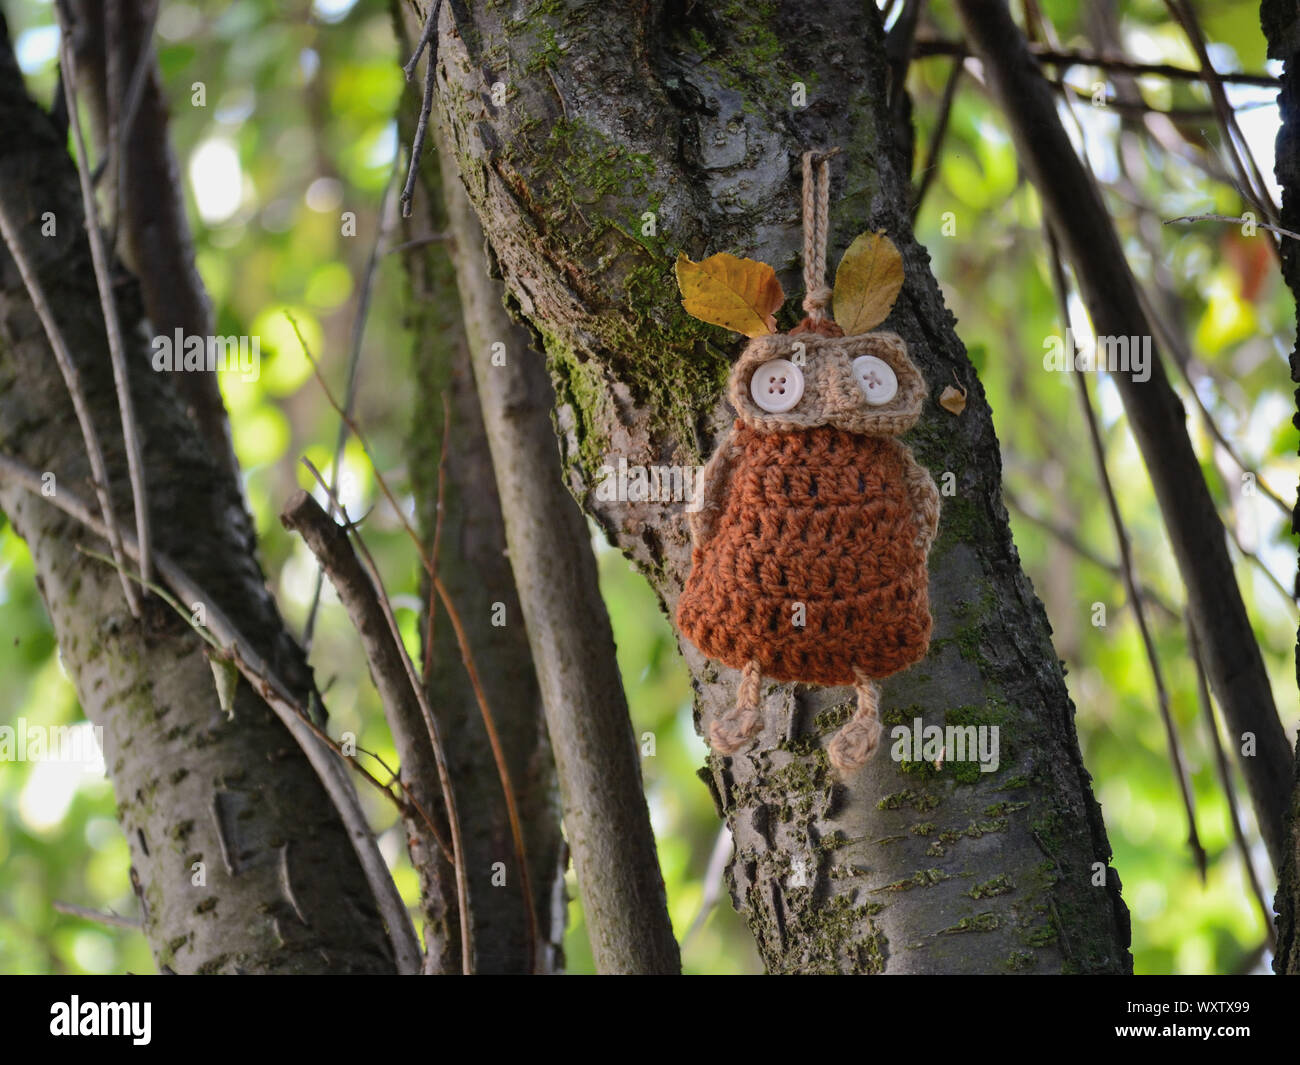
x=297, y=128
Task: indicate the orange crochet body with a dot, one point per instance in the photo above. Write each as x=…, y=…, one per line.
x=820, y=517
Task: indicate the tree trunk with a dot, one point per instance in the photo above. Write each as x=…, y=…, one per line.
x=1281, y=23
x=239, y=859
x=595, y=141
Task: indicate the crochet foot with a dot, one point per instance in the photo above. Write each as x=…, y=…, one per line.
x=734, y=729
x=857, y=741
x=743, y=721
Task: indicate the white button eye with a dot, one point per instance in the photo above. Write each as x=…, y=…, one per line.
x=777, y=385
x=877, y=381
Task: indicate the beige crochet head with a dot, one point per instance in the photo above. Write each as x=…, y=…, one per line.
x=831, y=394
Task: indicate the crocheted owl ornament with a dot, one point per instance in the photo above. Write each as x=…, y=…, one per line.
x=809, y=545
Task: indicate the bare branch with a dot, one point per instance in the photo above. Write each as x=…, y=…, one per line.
x=121, y=107
x=436, y=547
x=1169, y=334
x=1239, y=154
x=418, y=242
x=1235, y=221
x=72, y=378
x=150, y=217
x=429, y=39
x=329, y=543
x=1253, y=558
x=404, y=807
x=431, y=722
x=112, y=325
x=113, y=920
x=1135, y=107
x=713, y=880
x=1225, y=781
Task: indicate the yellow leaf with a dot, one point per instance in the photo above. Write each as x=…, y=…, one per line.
x=953, y=400
x=867, y=283
x=737, y=294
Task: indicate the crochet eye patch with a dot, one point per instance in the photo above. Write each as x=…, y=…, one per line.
x=809, y=550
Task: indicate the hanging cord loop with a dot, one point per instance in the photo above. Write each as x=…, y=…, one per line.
x=816, y=213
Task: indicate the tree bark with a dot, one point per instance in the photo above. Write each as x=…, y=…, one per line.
x=595, y=141
x=235, y=800
x=1281, y=24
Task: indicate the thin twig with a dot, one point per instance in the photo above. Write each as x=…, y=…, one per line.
x=1166, y=135
x=429, y=38
x=135, y=93
x=112, y=326
x=453, y=814
x=1132, y=107
x=498, y=756
x=114, y=920
x=1184, y=361
x=357, y=590
x=898, y=54
x=713, y=877
x=1239, y=151
x=435, y=550
x=113, y=94
x=931, y=165
x=1130, y=578
x=1237, y=221
x=564, y=108
x=238, y=654
x=234, y=654
x=1253, y=558
x=72, y=379
x=354, y=362
x=418, y=242
x=1067, y=539
x=222, y=633
x=466, y=653
x=428, y=33
x=1225, y=780
x=935, y=46
x=360, y=598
